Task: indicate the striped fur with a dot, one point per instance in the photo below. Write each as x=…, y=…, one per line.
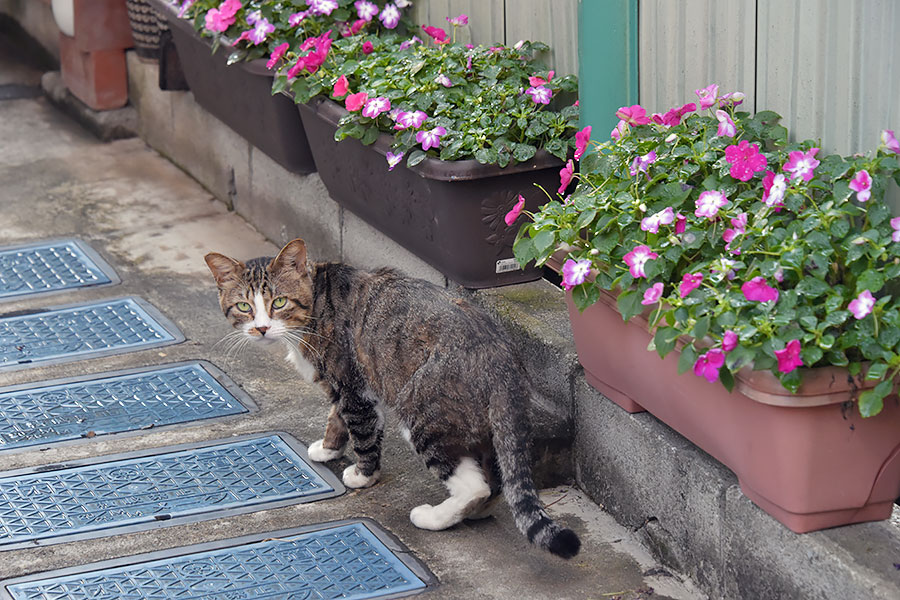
x=379, y=340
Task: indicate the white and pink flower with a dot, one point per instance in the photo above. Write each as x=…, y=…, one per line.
x=709, y=203
x=862, y=185
x=862, y=305
x=637, y=260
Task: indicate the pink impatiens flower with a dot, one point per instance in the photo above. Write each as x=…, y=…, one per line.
x=513, y=214
x=709, y=203
x=535, y=80
x=673, y=116
x=356, y=101
x=889, y=140
x=789, y=358
x=390, y=16
x=540, y=94
x=654, y=221
x=277, y=54
x=862, y=305
x=443, y=80
x=221, y=18
x=393, y=159
x=801, y=164
x=581, y=141
x=707, y=95
x=689, y=283
x=431, y=138
x=340, y=88
x=680, y=223
x=745, y=160
x=757, y=290
x=726, y=125
x=652, y=294
x=367, y=47
x=574, y=273
x=729, y=340
x=365, y=9
x=565, y=176
x=297, y=18
x=862, y=185
x=619, y=130
x=732, y=99
x=637, y=259
x=739, y=224
x=410, y=119
x=640, y=164
x=376, y=106
x=708, y=365
x=438, y=34
x=322, y=7
x=774, y=187
x=633, y=115
x=318, y=51
x=895, y=224
x=458, y=21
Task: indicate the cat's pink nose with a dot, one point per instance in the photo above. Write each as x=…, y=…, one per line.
x=262, y=330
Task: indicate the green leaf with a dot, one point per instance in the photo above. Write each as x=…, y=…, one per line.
x=584, y=219
x=629, y=304
x=543, y=241
x=840, y=228
x=370, y=135
x=813, y=287
x=687, y=359
x=869, y=280
x=872, y=401
x=524, y=152
x=739, y=358
x=665, y=339
x=585, y=295
x=727, y=379
x=701, y=328
x=876, y=371
x=415, y=157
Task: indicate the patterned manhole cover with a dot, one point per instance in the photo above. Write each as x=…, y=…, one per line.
x=81, y=331
x=51, y=266
x=55, y=411
x=349, y=560
x=137, y=491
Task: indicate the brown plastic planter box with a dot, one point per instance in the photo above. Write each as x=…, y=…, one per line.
x=448, y=213
x=240, y=95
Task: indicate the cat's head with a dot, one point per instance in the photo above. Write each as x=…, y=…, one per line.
x=267, y=299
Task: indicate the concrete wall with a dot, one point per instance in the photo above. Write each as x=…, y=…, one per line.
x=36, y=19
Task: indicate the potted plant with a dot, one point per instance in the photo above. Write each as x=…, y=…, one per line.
x=762, y=274
x=450, y=138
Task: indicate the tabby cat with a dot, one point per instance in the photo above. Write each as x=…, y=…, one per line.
x=376, y=339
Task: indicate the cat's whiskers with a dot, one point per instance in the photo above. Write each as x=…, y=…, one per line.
x=293, y=340
x=233, y=344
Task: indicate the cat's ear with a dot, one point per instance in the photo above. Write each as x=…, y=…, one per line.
x=292, y=256
x=223, y=268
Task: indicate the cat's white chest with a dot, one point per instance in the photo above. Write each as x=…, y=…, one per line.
x=303, y=366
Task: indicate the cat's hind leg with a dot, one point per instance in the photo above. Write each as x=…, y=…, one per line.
x=335, y=441
x=469, y=491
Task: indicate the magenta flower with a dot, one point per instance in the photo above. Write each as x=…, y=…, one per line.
x=390, y=16
x=732, y=99
x=277, y=55
x=801, y=164
x=443, y=80
x=458, y=21
x=708, y=365
x=367, y=47
x=637, y=259
x=729, y=340
x=438, y=34
x=430, y=139
x=640, y=164
x=356, y=101
x=757, y=290
x=322, y=7
x=633, y=115
x=318, y=51
x=680, y=223
x=221, y=18
x=259, y=33
x=376, y=106
x=297, y=18
x=789, y=358
x=574, y=273
x=393, y=159
x=889, y=140
x=340, y=88
x=413, y=40
x=513, y=214
x=707, y=95
x=895, y=224
x=410, y=119
x=862, y=185
x=745, y=160
x=726, y=125
x=739, y=225
x=540, y=94
x=565, y=176
x=709, y=203
x=774, y=188
x=581, y=141
x=365, y=9
x=689, y=283
x=862, y=305
x=673, y=116
x=652, y=294
x=535, y=80
x=619, y=130
x=654, y=221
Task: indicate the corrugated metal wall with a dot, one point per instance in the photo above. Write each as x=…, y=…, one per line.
x=508, y=21
x=831, y=68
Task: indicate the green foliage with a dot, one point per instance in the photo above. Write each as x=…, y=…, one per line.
x=822, y=248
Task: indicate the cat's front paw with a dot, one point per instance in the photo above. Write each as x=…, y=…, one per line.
x=319, y=453
x=354, y=479
x=428, y=517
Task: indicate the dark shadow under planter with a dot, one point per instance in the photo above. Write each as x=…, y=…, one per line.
x=240, y=95
x=448, y=213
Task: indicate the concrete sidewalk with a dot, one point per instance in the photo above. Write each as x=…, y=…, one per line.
x=153, y=224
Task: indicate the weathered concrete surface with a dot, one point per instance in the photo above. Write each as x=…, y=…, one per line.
x=153, y=224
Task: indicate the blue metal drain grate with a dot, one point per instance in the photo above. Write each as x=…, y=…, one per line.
x=51, y=266
x=143, y=490
x=350, y=560
x=81, y=407
x=81, y=331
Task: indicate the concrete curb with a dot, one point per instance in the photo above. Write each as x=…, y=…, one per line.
x=686, y=506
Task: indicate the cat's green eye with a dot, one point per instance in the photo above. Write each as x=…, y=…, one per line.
x=243, y=307
x=279, y=302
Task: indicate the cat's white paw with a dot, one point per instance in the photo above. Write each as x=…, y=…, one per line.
x=319, y=453
x=428, y=517
x=354, y=479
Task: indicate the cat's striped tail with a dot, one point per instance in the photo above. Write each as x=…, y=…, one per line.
x=511, y=448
